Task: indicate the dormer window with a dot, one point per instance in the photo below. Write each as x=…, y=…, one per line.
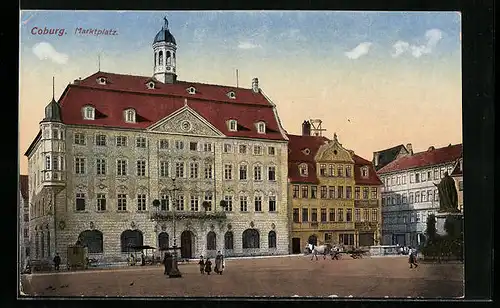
x=231, y=95
x=303, y=170
x=191, y=90
x=150, y=85
x=88, y=113
x=101, y=80
x=306, y=151
x=261, y=127
x=233, y=125
x=364, y=172
x=129, y=115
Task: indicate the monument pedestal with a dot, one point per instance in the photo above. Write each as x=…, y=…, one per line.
x=454, y=221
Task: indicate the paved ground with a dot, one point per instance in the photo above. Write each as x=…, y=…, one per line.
x=286, y=276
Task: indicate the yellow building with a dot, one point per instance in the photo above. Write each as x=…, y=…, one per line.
x=326, y=203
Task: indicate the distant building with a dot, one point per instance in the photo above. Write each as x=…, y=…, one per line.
x=383, y=157
x=409, y=194
x=24, y=218
x=334, y=195
x=457, y=175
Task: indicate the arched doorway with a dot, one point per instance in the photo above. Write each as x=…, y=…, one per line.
x=251, y=238
x=228, y=240
x=211, y=241
x=163, y=240
x=187, y=241
x=130, y=238
x=313, y=239
x=93, y=239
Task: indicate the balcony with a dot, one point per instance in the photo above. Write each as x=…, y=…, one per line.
x=366, y=203
x=366, y=225
x=168, y=215
x=323, y=226
x=54, y=177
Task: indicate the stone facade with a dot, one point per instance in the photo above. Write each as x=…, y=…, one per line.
x=55, y=214
x=330, y=211
x=24, y=233
x=409, y=197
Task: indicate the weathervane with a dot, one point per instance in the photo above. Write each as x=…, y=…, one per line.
x=166, y=22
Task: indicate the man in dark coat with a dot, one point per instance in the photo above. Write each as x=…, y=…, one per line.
x=57, y=262
x=201, y=263
x=143, y=259
x=167, y=262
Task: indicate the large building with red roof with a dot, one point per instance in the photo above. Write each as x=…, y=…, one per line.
x=409, y=195
x=114, y=143
x=334, y=195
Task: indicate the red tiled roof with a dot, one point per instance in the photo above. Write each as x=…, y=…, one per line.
x=295, y=177
x=427, y=158
x=296, y=146
x=372, y=179
x=152, y=105
x=23, y=186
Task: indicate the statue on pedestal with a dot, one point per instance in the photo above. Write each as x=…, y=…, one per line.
x=448, y=196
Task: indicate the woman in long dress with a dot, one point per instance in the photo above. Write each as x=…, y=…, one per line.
x=219, y=263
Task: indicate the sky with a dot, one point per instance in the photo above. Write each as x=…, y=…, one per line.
x=377, y=79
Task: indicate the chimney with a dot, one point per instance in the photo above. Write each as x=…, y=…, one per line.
x=431, y=148
x=375, y=159
x=409, y=148
x=306, y=128
x=255, y=85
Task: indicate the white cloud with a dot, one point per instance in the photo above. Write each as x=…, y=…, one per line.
x=247, y=45
x=399, y=48
x=432, y=37
x=358, y=51
x=45, y=51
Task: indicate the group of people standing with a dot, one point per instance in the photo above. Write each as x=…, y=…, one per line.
x=206, y=265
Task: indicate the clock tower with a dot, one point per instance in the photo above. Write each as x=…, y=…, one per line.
x=164, y=49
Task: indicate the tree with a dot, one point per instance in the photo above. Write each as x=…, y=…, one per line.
x=431, y=227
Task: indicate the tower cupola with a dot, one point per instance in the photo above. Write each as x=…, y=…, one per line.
x=164, y=49
x=53, y=112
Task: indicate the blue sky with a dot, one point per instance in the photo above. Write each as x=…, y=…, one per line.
x=395, y=75
x=318, y=33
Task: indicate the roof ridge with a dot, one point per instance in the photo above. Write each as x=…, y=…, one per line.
x=181, y=81
x=435, y=149
x=167, y=95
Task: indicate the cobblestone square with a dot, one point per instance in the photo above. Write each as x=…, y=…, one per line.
x=279, y=276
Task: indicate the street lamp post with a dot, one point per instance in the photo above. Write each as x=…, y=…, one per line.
x=174, y=273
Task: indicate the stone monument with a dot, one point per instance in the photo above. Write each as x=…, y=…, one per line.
x=449, y=219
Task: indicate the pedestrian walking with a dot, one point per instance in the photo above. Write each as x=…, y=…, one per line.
x=208, y=266
x=201, y=263
x=219, y=263
x=57, y=262
x=412, y=257
x=143, y=259
x=167, y=263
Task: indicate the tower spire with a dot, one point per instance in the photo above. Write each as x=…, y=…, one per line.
x=53, y=89
x=166, y=22
x=99, y=62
